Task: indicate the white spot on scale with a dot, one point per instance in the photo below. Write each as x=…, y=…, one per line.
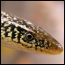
x=14, y=18
x=16, y=35
x=45, y=33
x=9, y=34
x=24, y=25
x=37, y=31
x=33, y=41
x=16, y=39
x=9, y=22
x=22, y=36
x=29, y=44
x=2, y=34
x=5, y=19
x=2, y=28
x=16, y=25
x=28, y=22
x=6, y=25
x=45, y=41
x=15, y=29
x=9, y=29
x=2, y=21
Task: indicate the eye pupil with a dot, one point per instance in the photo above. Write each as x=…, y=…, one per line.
x=29, y=36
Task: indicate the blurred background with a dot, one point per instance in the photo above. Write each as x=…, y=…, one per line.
x=47, y=14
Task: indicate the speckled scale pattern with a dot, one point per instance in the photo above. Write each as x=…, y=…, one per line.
x=16, y=30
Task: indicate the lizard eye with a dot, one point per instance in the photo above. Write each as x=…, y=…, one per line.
x=29, y=36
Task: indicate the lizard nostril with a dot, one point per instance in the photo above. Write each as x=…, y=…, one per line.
x=56, y=48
